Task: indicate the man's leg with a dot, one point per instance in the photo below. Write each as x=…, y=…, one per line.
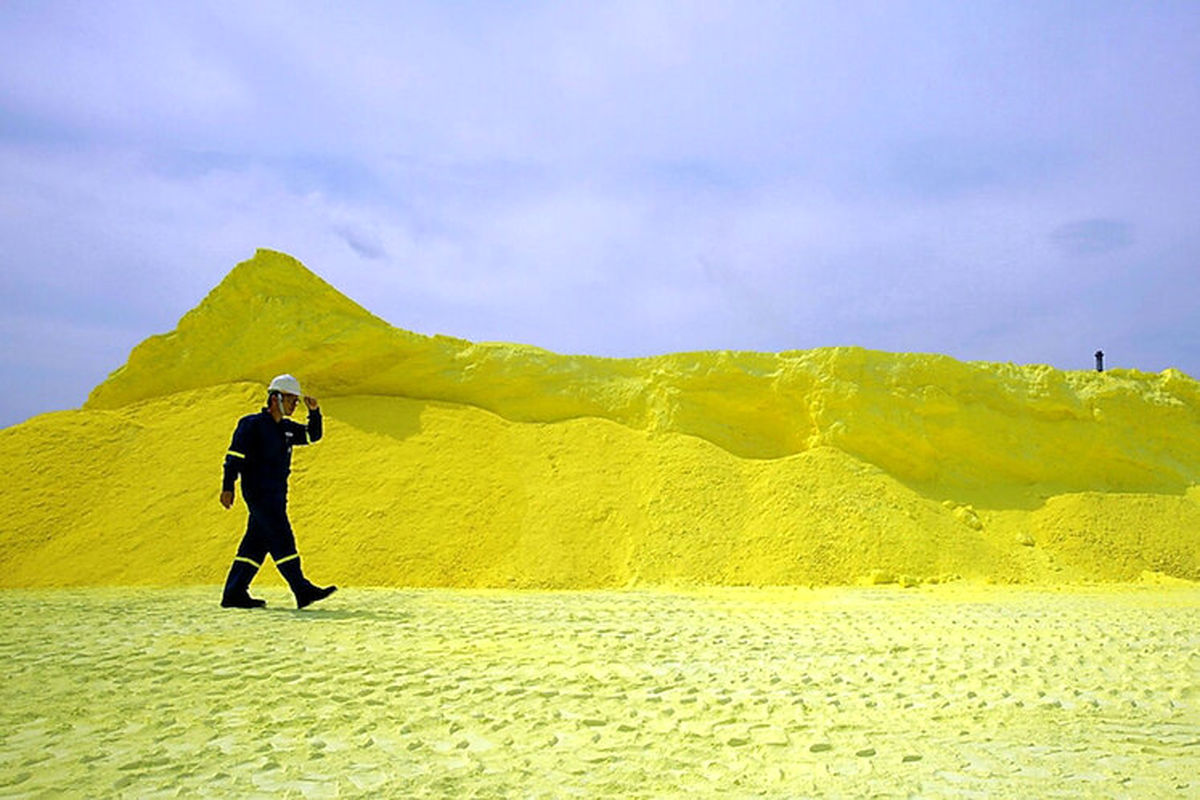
x=281, y=543
x=246, y=563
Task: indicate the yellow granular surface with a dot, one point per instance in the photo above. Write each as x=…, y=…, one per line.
x=458, y=464
x=937, y=692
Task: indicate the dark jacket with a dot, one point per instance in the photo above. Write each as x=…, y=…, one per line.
x=261, y=452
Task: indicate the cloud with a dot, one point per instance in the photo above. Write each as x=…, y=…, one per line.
x=1092, y=237
x=946, y=168
x=361, y=241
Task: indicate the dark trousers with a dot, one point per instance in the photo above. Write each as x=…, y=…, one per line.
x=268, y=531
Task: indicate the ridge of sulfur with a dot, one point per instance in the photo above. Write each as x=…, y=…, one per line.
x=922, y=418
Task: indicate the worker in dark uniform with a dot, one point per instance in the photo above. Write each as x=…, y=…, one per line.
x=261, y=453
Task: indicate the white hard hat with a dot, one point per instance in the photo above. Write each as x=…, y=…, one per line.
x=286, y=384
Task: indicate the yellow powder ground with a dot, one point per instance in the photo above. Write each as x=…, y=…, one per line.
x=448, y=463
x=948, y=691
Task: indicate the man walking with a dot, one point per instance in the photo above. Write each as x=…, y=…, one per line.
x=261, y=453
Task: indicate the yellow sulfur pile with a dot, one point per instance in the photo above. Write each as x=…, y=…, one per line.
x=450, y=463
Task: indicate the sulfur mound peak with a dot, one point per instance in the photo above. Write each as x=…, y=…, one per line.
x=454, y=463
x=268, y=313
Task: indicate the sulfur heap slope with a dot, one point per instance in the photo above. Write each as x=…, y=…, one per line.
x=454, y=463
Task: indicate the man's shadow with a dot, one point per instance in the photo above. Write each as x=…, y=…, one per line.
x=316, y=614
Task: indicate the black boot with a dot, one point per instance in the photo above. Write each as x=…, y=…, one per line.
x=306, y=592
x=237, y=587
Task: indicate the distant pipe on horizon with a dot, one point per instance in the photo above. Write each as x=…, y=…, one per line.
x=1099, y=361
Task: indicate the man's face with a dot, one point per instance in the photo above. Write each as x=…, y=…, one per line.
x=287, y=403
